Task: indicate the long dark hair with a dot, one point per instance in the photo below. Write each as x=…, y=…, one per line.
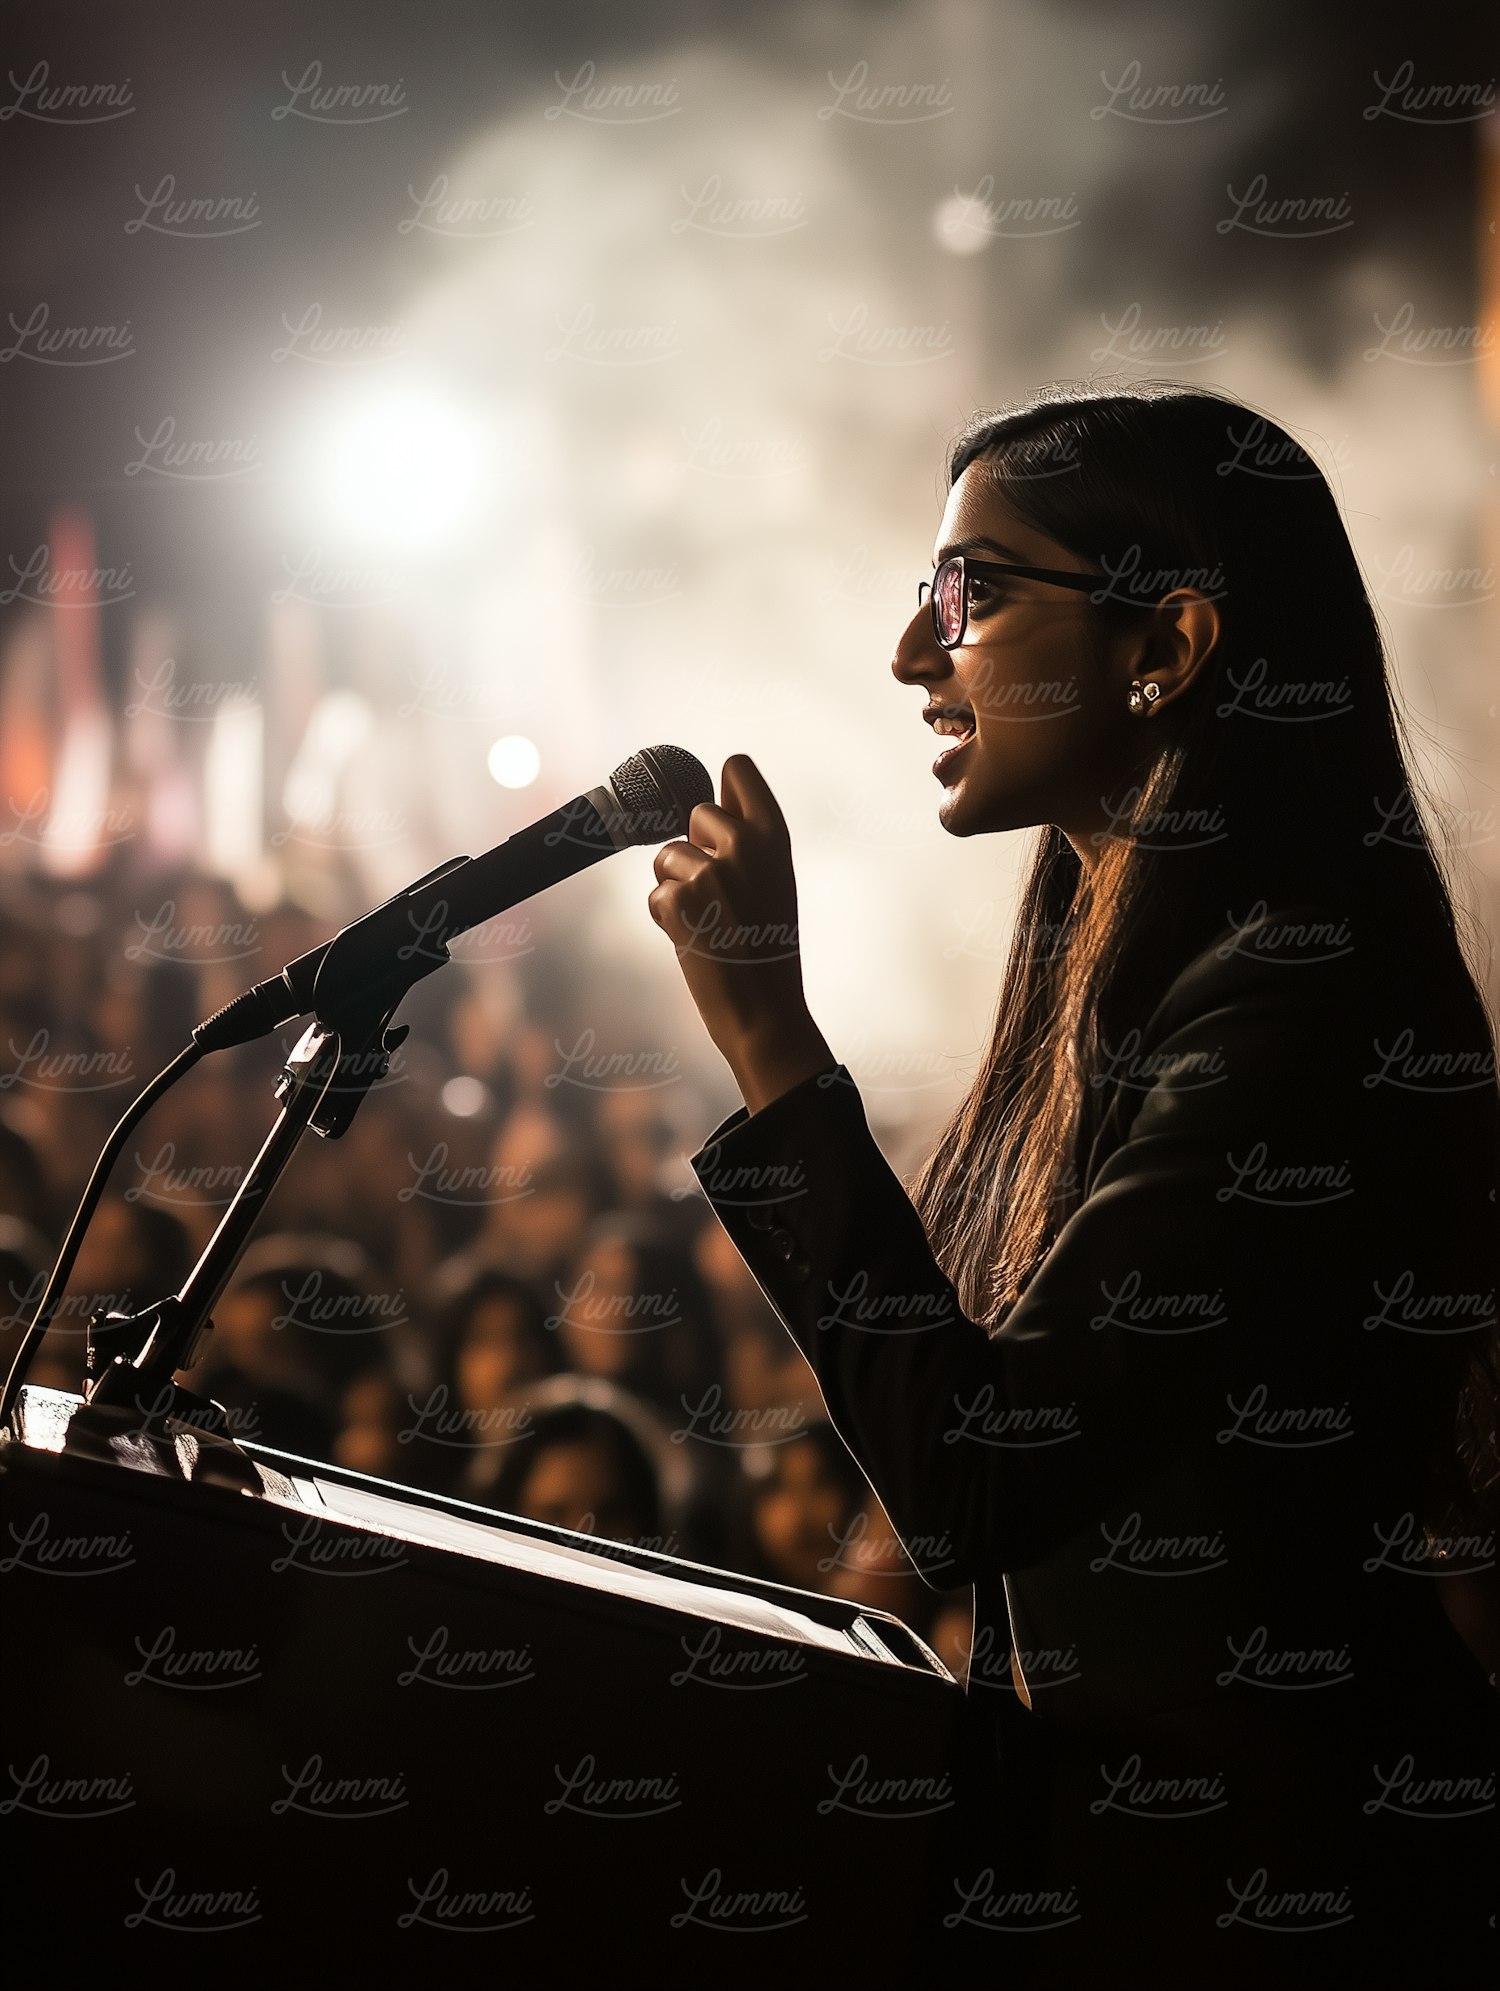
x=1159, y=486
x=633, y=1473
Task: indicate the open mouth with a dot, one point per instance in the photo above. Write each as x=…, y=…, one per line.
x=954, y=723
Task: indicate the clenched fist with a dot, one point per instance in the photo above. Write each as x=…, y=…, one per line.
x=726, y=897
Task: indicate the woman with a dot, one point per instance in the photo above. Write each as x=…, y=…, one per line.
x=492, y=1347
x=634, y=1310
x=588, y=1464
x=803, y=1508
x=1181, y=1349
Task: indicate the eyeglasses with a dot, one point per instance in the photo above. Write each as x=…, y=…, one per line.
x=949, y=588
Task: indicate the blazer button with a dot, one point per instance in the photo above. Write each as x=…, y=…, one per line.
x=760, y=1216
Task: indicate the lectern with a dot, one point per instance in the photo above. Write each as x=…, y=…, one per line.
x=267, y=1720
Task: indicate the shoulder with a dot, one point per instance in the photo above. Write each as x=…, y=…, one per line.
x=1294, y=958
x=1311, y=967
x=1284, y=982
x=1255, y=1031
x=1297, y=1013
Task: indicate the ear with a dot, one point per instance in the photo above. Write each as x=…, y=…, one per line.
x=1185, y=632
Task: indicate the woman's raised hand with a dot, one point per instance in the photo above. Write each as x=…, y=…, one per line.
x=726, y=897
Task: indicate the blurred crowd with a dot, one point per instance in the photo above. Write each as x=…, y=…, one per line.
x=497, y=1285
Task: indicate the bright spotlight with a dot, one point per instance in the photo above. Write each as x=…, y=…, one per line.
x=959, y=224
x=464, y=1097
x=402, y=468
x=514, y=761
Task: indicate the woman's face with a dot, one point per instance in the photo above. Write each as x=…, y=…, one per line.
x=636, y=1138
x=497, y=1355
x=367, y=1442
x=801, y=1517
x=574, y=1486
x=243, y=1336
x=544, y=1200
x=601, y=1333
x=1036, y=676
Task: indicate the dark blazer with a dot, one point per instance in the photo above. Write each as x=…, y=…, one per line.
x=1185, y=1477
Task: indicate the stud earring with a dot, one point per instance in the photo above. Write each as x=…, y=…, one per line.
x=1142, y=695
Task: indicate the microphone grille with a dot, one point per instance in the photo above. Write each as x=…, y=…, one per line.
x=658, y=790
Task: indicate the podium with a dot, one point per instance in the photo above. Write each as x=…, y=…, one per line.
x=321, y=1726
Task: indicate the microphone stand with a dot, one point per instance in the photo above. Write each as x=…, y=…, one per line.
x=134, y=1410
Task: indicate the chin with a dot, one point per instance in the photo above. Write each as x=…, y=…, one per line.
x=964, y=814
x=954, y=817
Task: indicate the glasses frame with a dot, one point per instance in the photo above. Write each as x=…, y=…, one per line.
x=927, y=590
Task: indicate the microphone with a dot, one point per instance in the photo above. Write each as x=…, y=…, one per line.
x=649, y=798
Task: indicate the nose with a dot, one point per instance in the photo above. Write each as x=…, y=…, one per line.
x=920, y=658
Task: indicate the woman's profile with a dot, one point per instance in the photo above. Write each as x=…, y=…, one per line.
x=1180, y=1346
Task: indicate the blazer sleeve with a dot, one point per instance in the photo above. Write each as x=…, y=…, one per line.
x=1239, y=1063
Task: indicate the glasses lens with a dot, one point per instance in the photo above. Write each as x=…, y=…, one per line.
x=948, y=600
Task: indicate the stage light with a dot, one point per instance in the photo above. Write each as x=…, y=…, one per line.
x=464, y=1097
x=514, y=761
x=400, y=469
x=340, y=725
x=233, y=804
x=958, y=224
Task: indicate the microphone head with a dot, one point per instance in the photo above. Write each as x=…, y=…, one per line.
x=657, y=791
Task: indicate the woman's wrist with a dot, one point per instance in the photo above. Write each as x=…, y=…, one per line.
x=773, y=1061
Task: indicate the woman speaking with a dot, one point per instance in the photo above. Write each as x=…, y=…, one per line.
x=1181, y=1344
